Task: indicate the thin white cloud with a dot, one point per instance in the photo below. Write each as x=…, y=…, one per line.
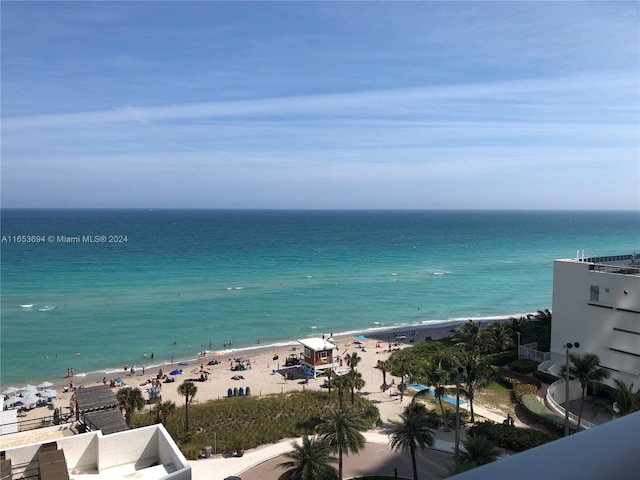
x=398, y=101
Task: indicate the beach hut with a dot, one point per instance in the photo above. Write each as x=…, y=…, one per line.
x=318, y=355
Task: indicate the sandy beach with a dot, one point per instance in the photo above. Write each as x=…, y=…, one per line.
x=266, y=375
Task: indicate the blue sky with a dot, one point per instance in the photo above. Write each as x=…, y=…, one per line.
x=414, y=105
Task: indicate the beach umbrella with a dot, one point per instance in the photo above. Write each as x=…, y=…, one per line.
x=12, y=401
x=45, y=384
x=48, y=393
x=29, y=389
x=10, y=391
x=28, y=399
x=362, y=337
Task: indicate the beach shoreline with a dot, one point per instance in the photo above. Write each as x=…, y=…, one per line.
x=385, y=334
x=267, y=374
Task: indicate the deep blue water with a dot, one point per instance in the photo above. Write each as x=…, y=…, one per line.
x=200, y=277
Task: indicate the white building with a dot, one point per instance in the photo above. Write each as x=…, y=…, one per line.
x=148, y=453
x=596, y=302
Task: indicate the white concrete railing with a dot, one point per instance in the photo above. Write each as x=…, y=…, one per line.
x=556, y=394
x=529, y=351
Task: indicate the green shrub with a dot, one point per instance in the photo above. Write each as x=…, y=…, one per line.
x=255, y=420
x=502, y=359
x=510, y=378
x=545, y=377
x=524, y=366
x=522, y=389
x=512, y=438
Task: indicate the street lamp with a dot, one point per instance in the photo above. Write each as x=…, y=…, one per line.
x=567, y=347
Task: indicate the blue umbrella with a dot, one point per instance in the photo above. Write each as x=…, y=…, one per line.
x=176, y=372
x=362, y=337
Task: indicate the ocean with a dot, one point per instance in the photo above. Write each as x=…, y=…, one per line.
x=95, y=289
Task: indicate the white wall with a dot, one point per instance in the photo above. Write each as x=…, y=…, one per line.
x=90, y=452
x=574, y=320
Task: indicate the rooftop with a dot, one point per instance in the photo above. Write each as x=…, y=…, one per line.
x=145, y=453
x=621, y=264
x=317, y=344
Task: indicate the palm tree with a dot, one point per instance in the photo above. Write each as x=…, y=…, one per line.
x=476, y=376
x=329, y=374
x=543, y=316
x=341, y=428
x=402, y=387
x=587, y=370
x=500, y=336
x=624, y=401
x=356, y=382
x=413, y=430
x=516, y=324
x=340, y=383
x=437, y=377
x=383, y=366
x=469, y=336
x=353, y=359
x=399, y=366
x=163, y=410
x=130, y=400
x=310, y=461
x=187, y=390
x=478, y=450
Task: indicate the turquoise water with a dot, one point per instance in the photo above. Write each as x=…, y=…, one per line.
x=420, y=388
x=199, y=278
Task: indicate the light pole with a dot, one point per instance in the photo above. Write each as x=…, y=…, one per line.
x=518, y=351
x=567, y=347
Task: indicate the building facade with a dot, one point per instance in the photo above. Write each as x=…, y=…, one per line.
x=596, y=302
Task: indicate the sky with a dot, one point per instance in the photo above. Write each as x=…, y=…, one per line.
x=320, y=105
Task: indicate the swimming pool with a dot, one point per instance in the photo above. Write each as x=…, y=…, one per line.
x=430, y=391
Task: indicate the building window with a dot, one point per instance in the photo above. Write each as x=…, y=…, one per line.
x=595, y=293
x=307, y=353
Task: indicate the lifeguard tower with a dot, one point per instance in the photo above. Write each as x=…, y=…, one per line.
x=318, y=355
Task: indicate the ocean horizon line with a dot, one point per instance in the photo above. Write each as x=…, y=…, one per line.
x=324, y=209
